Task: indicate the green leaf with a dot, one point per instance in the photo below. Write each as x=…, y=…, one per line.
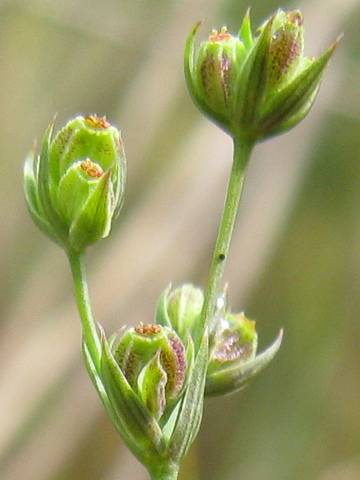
x=233, y=378
x=189, y=419
x=133, y=418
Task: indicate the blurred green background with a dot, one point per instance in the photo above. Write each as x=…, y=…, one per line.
x=295, y=259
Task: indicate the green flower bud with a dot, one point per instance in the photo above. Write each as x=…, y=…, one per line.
x=255, y=87
x=180, y=308
x=153, y=361
x=234, y=340
x=233, y=360
x=75, y=187
x=152, y=389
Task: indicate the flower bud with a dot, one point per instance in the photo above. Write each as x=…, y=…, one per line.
x=255, y=87
x=180, y=308
x=234, y=340
x=153, y=361
x=74, y=188
x=153, y=391
x=233, y=359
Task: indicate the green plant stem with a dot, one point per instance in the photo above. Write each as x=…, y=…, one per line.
x=165, y=475
x=90, y=334
x=242, y=151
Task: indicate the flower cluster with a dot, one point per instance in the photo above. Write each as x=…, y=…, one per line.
x=233, y=358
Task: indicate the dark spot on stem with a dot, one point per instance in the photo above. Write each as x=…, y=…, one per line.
x=221, y=257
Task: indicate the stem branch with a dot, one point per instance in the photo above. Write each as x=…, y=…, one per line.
x=242, y=151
